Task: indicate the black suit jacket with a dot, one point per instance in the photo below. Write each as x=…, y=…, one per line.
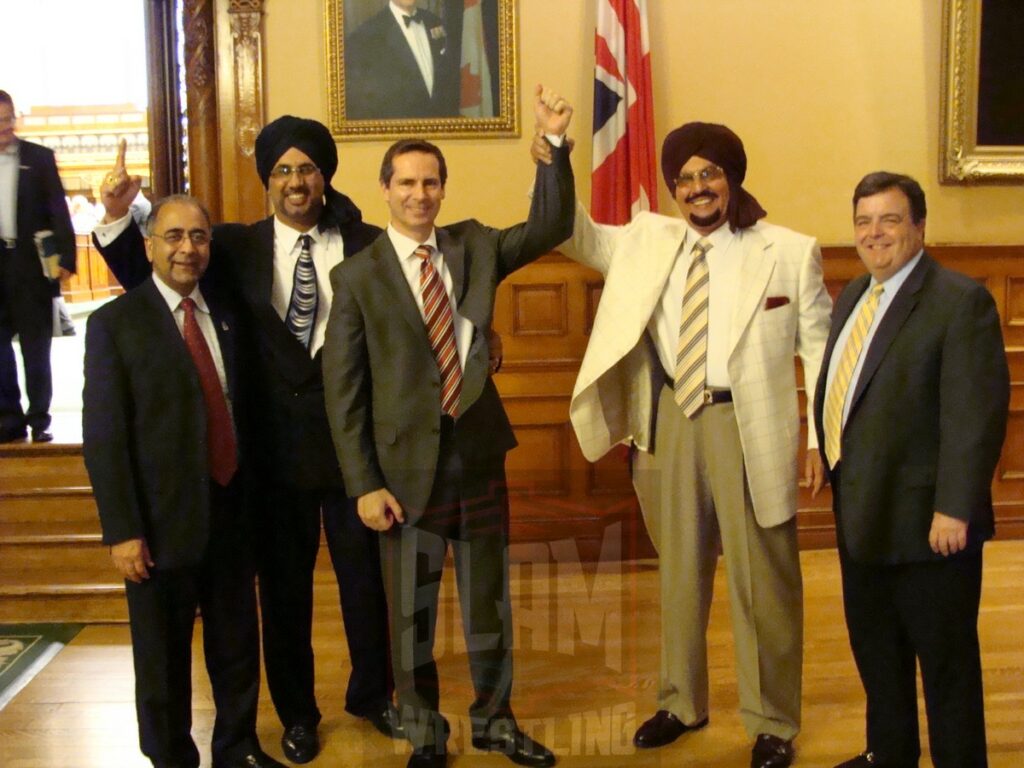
x=927, y=419
x=382, y=382
x=295, y=441
x=144, y=423
x=41, y=206
x=382, y=79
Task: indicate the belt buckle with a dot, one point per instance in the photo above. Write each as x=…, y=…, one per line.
x=709, y=397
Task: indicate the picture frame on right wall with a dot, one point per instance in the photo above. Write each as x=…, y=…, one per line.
x=982, y=91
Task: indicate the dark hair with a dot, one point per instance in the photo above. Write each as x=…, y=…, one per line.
x=882, y=181
x=5, y=98
x=404, y=146
x=186, y=199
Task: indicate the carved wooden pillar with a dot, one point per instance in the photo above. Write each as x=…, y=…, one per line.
x=201, y=91
x=241, y=93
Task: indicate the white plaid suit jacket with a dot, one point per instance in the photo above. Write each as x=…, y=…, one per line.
x=613, y=400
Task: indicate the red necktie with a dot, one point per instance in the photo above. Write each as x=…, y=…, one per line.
x=220, y=434
x=437, y=314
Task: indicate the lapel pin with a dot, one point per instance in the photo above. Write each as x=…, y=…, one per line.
x=223, y=326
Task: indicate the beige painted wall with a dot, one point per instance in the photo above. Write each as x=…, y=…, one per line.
x=822, y=91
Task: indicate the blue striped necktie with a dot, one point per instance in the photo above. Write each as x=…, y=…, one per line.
x=301, y=316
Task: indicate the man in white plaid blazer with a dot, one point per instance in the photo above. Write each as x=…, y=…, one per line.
x=717, y=462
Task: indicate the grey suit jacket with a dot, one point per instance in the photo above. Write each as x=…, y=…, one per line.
x=927, y=419
x=381, y=381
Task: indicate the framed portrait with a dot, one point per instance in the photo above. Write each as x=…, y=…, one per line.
x=982, y=113
x=433, y=68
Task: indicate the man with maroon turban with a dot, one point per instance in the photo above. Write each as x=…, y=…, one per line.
x=691, y=360
x=277, y=269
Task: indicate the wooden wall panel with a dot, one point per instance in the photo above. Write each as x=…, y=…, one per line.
x=545, y=313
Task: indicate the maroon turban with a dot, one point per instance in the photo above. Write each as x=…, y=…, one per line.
x=722, y=147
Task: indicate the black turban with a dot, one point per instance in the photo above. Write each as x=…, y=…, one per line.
x=312, y=138
x=723, y=148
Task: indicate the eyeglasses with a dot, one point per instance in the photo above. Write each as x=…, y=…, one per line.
x=176, y=237
x=706, y=174
x=284, y=171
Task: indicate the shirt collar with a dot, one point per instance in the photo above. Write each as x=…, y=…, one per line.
x=720, y=239
x=289, y=237
x=894, y=283
x=11, y=149
x=399, y=13
x=406, y=247
x=173, y=298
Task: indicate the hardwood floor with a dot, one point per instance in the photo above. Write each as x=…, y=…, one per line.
x=586, y=676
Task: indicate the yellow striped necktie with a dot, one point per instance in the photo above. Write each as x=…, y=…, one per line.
x=692, y=349
x=844, y=372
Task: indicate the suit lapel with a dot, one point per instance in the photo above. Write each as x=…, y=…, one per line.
x=454, y=253
x=164, y=318
x=393, y=278
x=903, y=304
x=755, y=272
x=224, y=325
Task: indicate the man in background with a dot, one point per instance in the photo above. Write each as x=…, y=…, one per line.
x=911, y=409
x=399, y=64
x=31, y=202
x=165, y=414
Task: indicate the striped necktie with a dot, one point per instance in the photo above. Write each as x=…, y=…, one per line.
x=301, y=317
x=437, y=315
x=692, y=349
x=836, y=399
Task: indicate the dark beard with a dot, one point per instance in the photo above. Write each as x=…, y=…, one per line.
x=707, y=221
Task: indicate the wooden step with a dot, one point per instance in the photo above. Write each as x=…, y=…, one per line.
x=48, y=504
x=31, y=548
x=62, y=602
x=30, y=466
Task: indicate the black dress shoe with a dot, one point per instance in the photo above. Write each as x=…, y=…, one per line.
x=771, y=752
x=662, y=729
x=300, y=743
x=863, y=760
x=42, y=436
x=387, y=721
x=430, y=756
x=257, y=759
x=517, y=747
x=13, y=435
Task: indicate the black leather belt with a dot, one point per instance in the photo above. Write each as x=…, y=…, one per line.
x=711, y=396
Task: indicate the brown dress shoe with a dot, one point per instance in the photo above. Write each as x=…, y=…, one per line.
x=771, y=752
x=662, y=729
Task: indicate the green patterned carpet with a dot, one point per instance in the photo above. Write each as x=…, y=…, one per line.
x=25, y=649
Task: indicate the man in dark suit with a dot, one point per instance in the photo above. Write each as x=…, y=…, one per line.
x=420, y=431
x=399, y=64
x=911, y=408
x=277, y=270
x=31, y=201
x=163, y=399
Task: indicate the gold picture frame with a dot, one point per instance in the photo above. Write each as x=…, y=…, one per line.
x=965, y=157
x=360, y=105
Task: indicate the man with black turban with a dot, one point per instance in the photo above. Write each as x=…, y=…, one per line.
x=691, y=361
x=278, y=269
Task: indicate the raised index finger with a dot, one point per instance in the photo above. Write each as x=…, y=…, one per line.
x=122, y=147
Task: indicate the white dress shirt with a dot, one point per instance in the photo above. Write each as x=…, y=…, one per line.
x=327, y=250
x=411, y=264
x=9, y=166
x=724, y=265
x=205, y=322
x=419, y=43
x=891, y=288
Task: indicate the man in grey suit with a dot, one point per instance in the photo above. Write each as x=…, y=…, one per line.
x=420, y=431
x=911, y=408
